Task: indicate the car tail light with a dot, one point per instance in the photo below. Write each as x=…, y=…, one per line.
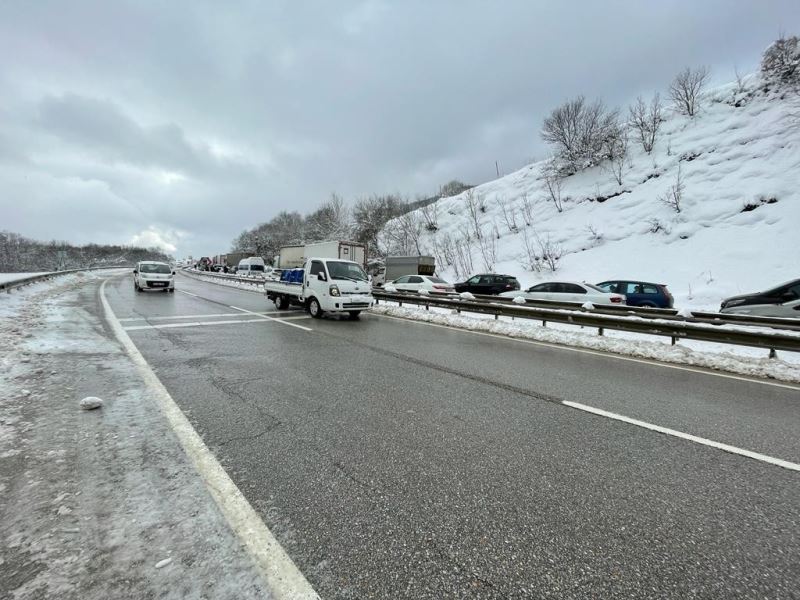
x=439, y=287
x=616, y=299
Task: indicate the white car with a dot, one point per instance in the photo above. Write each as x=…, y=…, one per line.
x=568, y=291
x=415, y=283
x=151, y=275
x=782, y=301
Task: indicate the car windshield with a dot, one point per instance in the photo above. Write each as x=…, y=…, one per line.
x=154, y=268
x=256, y=267
x=346, y=270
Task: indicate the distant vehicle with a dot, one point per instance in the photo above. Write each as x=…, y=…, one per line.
x=781, y=301
x=151, y=275
x=323, y=285
x=568, y=291
x=415, y=283
x=204, y=264
x=640, y=293
x=489, y=284
x=251, y=267
x=398, y=266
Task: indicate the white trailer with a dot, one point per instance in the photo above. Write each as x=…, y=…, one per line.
x=353, y=251
x=291, y=257
x=323, y=285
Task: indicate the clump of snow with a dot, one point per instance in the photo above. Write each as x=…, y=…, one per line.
x=685, y=313
x=91, y=403
x=466, y=296
x=587, y=305
x=423, y=292
x=738, y=160
x=390, y=289
x=163, y=563
x=519, y=300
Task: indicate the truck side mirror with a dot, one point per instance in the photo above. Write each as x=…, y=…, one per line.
x=321, y=277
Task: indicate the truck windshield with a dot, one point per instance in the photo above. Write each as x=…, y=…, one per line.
x=346, y=270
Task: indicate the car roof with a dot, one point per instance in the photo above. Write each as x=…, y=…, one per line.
x=152, y=262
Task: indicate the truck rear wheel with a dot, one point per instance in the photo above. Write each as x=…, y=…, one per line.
x=314, y=308
x=281, y=302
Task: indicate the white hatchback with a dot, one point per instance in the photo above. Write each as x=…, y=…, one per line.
x=415, y=283
x=568, y=291
x=152, y=275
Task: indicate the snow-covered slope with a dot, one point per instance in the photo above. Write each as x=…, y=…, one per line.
x=738, y=229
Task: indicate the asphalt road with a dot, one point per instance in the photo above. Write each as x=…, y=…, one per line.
x=400, y=460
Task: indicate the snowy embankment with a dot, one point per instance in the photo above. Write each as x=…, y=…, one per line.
x=6, y=277
x=721, y=357
x=739, y=160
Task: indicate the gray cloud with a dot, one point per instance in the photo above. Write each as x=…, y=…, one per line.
x=196, y=120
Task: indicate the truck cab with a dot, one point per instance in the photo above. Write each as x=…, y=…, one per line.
x=322, y=285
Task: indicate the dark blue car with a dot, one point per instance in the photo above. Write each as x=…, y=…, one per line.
x=640, y=293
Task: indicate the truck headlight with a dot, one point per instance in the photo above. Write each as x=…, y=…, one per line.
x=334, y=290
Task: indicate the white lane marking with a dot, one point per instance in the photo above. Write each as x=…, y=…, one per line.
x=643, y=361
x=188, y=293
x=282, y=576
x=206, y=316
x=684, y=436
x=250, y=312
x=208, y=323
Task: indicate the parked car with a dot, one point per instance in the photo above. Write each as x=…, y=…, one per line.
x=781, y=301
x=251, y=267
x=640, y=293
x=151, y=275
x=568, y=291
x=415, y=283
x=488, y=283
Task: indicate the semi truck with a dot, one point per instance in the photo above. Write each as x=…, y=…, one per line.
x=322, y=285
x=295, y=256
x=397, y=266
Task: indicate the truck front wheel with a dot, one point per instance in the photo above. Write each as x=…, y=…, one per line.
x=281, y=302
x=314, y=308
x=354, y=314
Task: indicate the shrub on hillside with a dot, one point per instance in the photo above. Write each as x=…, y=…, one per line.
x=581, y=133
x=781, y=61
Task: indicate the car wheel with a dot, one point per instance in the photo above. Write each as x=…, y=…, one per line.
x=281, y=303
x=647, y=305
x=136, y=287
x=314, y=308
x=171, y=290
x=354, y=314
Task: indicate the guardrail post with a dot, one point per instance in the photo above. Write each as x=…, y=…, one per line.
x=674, y=340
x=599, y=331
x=544, y=323
x=772, y=353
x=427, y=307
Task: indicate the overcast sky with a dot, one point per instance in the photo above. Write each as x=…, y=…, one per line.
x=183, y=123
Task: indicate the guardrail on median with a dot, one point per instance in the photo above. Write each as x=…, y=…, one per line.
x=7, y=286
x=675, y=328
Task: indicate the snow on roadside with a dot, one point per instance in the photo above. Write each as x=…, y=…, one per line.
x=96, y=502
x=256, y=285
x=5, y=277
x=719, y=357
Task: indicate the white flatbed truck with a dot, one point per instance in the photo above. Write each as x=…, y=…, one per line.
x=322, y=285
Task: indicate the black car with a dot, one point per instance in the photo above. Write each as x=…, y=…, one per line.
x=781, y=301
x=489, y=284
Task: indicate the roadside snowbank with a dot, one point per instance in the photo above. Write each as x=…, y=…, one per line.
x=650, y=347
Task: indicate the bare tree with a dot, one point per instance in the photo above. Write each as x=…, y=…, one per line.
x=530, y=259
x=646, y=120
x=527, y=210
x=740, y=83
x=617, y=156
x=579, y=131
x=550, y=253
x=509, y=215
x=475, y=210
x=463, y=255
x=443, y=250
x=552, y=182
x=685, y=89
x=488, y=248
x=430, y=216
x=674, y=194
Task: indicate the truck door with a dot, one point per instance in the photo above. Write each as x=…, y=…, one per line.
x=314, y=285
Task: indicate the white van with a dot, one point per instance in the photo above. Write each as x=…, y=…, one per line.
x=251, y=267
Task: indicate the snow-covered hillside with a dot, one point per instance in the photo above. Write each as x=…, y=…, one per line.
x=737, y=231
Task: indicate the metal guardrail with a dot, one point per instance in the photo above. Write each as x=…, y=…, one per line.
x=675, y=328
x=7, y=286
